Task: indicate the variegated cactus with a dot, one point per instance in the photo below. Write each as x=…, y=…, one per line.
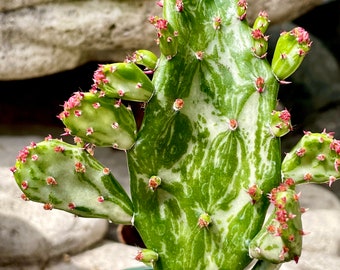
x=206, y=162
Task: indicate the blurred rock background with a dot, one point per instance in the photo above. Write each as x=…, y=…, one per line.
x=50, y=49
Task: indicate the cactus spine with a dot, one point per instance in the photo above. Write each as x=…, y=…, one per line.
x=206, y=162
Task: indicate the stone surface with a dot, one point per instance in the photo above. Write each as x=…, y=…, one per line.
x=49, y=37
x=41, y=37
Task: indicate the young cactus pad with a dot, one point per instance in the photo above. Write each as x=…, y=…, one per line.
x=206, y=162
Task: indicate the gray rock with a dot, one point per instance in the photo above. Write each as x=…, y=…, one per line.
x=107, y=256
x=47, y=38
x=282, y=11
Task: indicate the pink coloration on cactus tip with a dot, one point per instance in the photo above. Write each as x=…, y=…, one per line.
x=24, y=197
x=303, y=210
x=121, y=92
x=154, y=182
x=204, y=220
x=300, y=152
x=80, y=167
x=71, y=205
x=51, y=181
x=321, y=157
x=337, y=164
x=331, y=180
x=48, y=206
x=59, y=149
x=233, y=124
x=297, y=196
x=89, y=131
x=160, y=3
x=178, y=104
x=77, y=140
x=24, y=185
x=307, y=177
x=199, y=55
x=101, y=199
x=259, y=84
x=179, y=5
x=255, y=193
x=106, y=171
x=217, y=23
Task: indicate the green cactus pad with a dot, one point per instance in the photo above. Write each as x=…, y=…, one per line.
x=123, y=81
x=67, y=177
x=100, y=120
x=290, y=50
x=315, y=159
x=280, y=239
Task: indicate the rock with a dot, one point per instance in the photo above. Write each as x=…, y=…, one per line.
x=41, y=37
x=277, y=13
x=30, y=234
x=70, y=34
x=107, y=256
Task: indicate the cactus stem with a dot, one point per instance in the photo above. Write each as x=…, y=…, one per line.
x=147, y=256
x=96, y=105
x=303, y=210
x=115, y=125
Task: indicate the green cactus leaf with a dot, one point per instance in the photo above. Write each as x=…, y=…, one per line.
x=315, y=159
x=124, y=81
x=290, y=50
x=67, y=177
x=100, y=120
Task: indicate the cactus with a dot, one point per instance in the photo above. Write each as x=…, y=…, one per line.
x=205, y=164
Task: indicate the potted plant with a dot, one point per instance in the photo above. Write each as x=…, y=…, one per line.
x=205, y=161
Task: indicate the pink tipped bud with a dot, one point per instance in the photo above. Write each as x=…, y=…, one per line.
x=204, y=220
